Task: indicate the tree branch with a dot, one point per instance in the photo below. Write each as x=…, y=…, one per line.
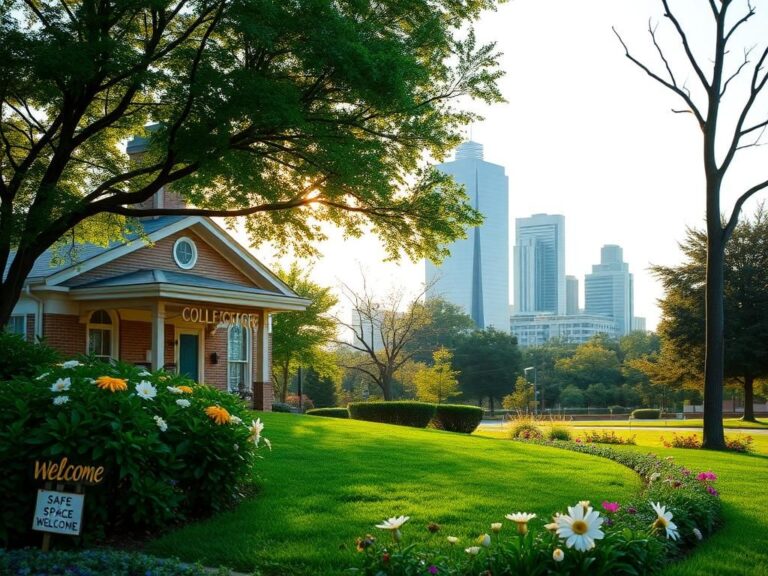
x=734, y=219
x=686, y=45
x=686, y=98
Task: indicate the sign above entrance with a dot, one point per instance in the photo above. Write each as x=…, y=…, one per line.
x=216, y=317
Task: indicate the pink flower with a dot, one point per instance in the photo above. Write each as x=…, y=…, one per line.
x=705, y=476
x=611, y=506
x=432, y=569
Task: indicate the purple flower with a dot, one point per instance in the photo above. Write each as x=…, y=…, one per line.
x=712, y=491
x=432, y=569
x=611, y=506
x=631, y=510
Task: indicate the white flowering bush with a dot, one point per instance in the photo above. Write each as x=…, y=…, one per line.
x=171, y=449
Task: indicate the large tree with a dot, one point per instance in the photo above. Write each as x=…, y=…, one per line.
x=448, y=322
x=381, y=331
x=489, y=362
x=715, y=68
x=745, y=302
x=302, y=338
x=290, y=113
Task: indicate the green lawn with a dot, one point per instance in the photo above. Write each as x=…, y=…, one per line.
x=328, y=481
x=688, y=423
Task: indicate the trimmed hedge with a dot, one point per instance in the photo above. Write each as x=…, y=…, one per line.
x=415, y=414
x=457, y=418
x=646, y=414
x=329, y=412
x=281, y=407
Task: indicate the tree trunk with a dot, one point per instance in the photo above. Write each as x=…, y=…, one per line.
x=490, y=405
x=714, y=360
x=749, y=399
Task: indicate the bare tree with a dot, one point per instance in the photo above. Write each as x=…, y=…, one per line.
x=381, y=331
x=713, y=75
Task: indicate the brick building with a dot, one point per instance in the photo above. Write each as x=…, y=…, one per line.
x=185, y=297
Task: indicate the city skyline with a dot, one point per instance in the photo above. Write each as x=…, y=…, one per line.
x=587, y=135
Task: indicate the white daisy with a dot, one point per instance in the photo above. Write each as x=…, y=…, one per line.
x=473, y=550
x=521, y=519
x=59, y=400
x=174, y=390
x=496, y=527
x=162, y=424
x=183, y=402
x=393, y=523
x=70, y=364
x=664, y=520
x=235, y=420
x=145, y=390
x=558, y=555
x=452, y=540
x=580, y=527
x=61, y=385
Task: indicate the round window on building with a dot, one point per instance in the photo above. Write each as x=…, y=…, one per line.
x=185, y=253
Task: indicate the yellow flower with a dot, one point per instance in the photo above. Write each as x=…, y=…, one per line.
x=111, y=384
x=185, y=389
x=217, y=414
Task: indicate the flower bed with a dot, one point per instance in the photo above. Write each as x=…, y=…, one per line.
x=171, y=449
x=676, y=510
x=29, y=562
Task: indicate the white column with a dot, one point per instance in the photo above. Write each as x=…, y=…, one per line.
x=158, y=335
x=262, y=366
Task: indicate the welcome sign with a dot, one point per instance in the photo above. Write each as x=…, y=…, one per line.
x=58, y=512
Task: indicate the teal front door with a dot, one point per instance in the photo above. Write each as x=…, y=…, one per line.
x=189, y=349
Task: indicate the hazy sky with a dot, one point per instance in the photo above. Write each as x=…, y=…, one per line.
x=586, y=134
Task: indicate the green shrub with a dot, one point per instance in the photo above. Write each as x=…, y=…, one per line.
x=165, y=457
x=415, y=414
x=457, y=418
x=329, y=412
x=526, y=427
x=556, y=432
x=604, y=437
x=282, y=407
x=95, y=563
x=646, y=414
x=19, y=358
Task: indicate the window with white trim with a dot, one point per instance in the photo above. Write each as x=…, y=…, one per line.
x=101, y=335
x=17, y=325
x=238, y=368
x=185, y=253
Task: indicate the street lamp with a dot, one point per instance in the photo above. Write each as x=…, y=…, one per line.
x=535, y=393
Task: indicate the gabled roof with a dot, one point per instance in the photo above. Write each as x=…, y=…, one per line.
x=43, y=267
x=89, y=256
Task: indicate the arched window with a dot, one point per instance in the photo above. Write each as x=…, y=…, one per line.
x=102, y=335
x=238, y=358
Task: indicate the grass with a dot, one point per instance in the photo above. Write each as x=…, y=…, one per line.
x=740, y=547
x=328, y=481
x=689, y=423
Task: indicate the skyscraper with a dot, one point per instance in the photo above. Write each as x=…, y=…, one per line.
x=540, y=264
x=476, y=274
x=571, y=295
x=608, y=290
